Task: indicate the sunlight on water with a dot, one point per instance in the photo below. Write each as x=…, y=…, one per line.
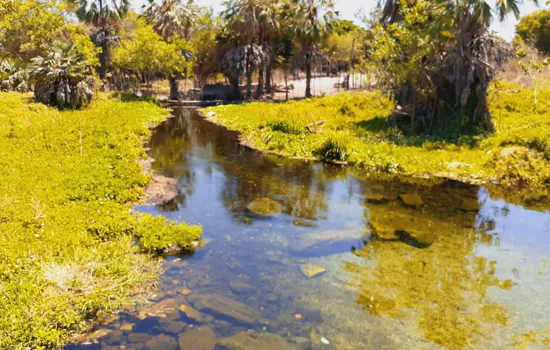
x=309, y=257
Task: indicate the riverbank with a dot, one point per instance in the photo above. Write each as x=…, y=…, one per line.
x=357, y=129
x=68, y=256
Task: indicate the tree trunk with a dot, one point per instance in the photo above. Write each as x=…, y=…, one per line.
x=236, y=89
x=308, y=75
x=104, y=58
x=268, y=70
x=286, y=84
x=260, y=88
x=174, y=88
x=248, y=76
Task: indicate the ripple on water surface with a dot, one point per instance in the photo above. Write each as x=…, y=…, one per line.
x=298, y=255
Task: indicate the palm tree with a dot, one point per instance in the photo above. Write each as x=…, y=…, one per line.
x=103, y=15
x=63, y=78
x=252, y=24
x=314, y=20
x=464, y=70
x=172, y=19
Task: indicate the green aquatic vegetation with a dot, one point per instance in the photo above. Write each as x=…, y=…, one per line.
x=67, y=236
x=358, y=128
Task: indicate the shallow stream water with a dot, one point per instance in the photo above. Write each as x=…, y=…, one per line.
x=341, y=263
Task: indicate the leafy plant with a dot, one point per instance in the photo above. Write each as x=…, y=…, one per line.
x=63, y=78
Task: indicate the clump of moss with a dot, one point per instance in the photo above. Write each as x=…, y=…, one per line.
x=67, y=237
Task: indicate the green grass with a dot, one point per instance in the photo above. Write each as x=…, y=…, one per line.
x=67, y=237
x=358, y=129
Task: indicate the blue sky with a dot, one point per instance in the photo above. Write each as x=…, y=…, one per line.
x=349, y=8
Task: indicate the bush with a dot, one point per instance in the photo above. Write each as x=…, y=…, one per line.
x=63, y=78
x=334, y=149
x=520, y=166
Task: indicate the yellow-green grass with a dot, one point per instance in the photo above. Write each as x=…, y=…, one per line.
x=68, y=252
x=359, y=130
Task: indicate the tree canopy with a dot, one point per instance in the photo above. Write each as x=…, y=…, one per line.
x=534, y=29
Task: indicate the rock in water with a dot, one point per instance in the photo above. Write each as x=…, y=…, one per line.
x=311, y=271
x=421, y=241
x=412, y=199
x=256, y=341
x=241, y=288
x=202, y=338
x=265, y=207
x=224, y=306
x=191, y=313
x=161, y=341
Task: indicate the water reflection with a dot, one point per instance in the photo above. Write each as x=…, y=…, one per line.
x=361, y=264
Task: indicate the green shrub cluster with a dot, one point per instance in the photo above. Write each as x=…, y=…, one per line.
x=358, y=128
x=67, y=237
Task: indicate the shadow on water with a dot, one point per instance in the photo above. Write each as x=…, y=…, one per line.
x=357, y=264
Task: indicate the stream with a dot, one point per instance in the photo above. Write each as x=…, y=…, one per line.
x=302, y=255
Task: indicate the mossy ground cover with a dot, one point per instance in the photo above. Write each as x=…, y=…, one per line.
x=68, y=252
x=358, y=129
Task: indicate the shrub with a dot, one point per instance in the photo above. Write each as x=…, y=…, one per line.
x=63, y=78
x=333, y=149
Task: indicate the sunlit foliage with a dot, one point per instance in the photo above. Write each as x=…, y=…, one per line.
x=67, y=238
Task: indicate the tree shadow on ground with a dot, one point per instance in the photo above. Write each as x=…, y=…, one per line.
x=400, y=131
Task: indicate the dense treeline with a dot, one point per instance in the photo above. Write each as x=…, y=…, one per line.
x=434, y=58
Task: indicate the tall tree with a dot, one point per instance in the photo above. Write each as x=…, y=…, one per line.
x=252, y=23
x=441, y=57
x=104, y=15
x=314, y=22
x=172, y=19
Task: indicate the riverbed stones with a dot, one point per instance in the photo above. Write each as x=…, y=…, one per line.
x=412, y=199
x=192, y=313
x=161, y=341
x=138, y=337
x=224, y=306
x=202, y=338
x=265, y=207
x=256, y=341
x=174, y=327
x=311, y=271
x=126, y=327
x=240, y=287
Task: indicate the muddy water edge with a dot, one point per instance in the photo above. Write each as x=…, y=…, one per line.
x=301, y=255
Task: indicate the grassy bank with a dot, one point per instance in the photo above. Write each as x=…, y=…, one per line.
x=356, y=128
x=67, y=238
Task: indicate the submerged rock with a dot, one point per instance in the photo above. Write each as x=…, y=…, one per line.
x=265, y=207
x=161, y=341
x=328, y=243
x=192, y=313
x=139, y=337
x=421, y=241
x=174, y=327
x=257, y=341
x=240, y=287
x=202, y=338
x=224, y=306
x=311, y=271
x=412, y=199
